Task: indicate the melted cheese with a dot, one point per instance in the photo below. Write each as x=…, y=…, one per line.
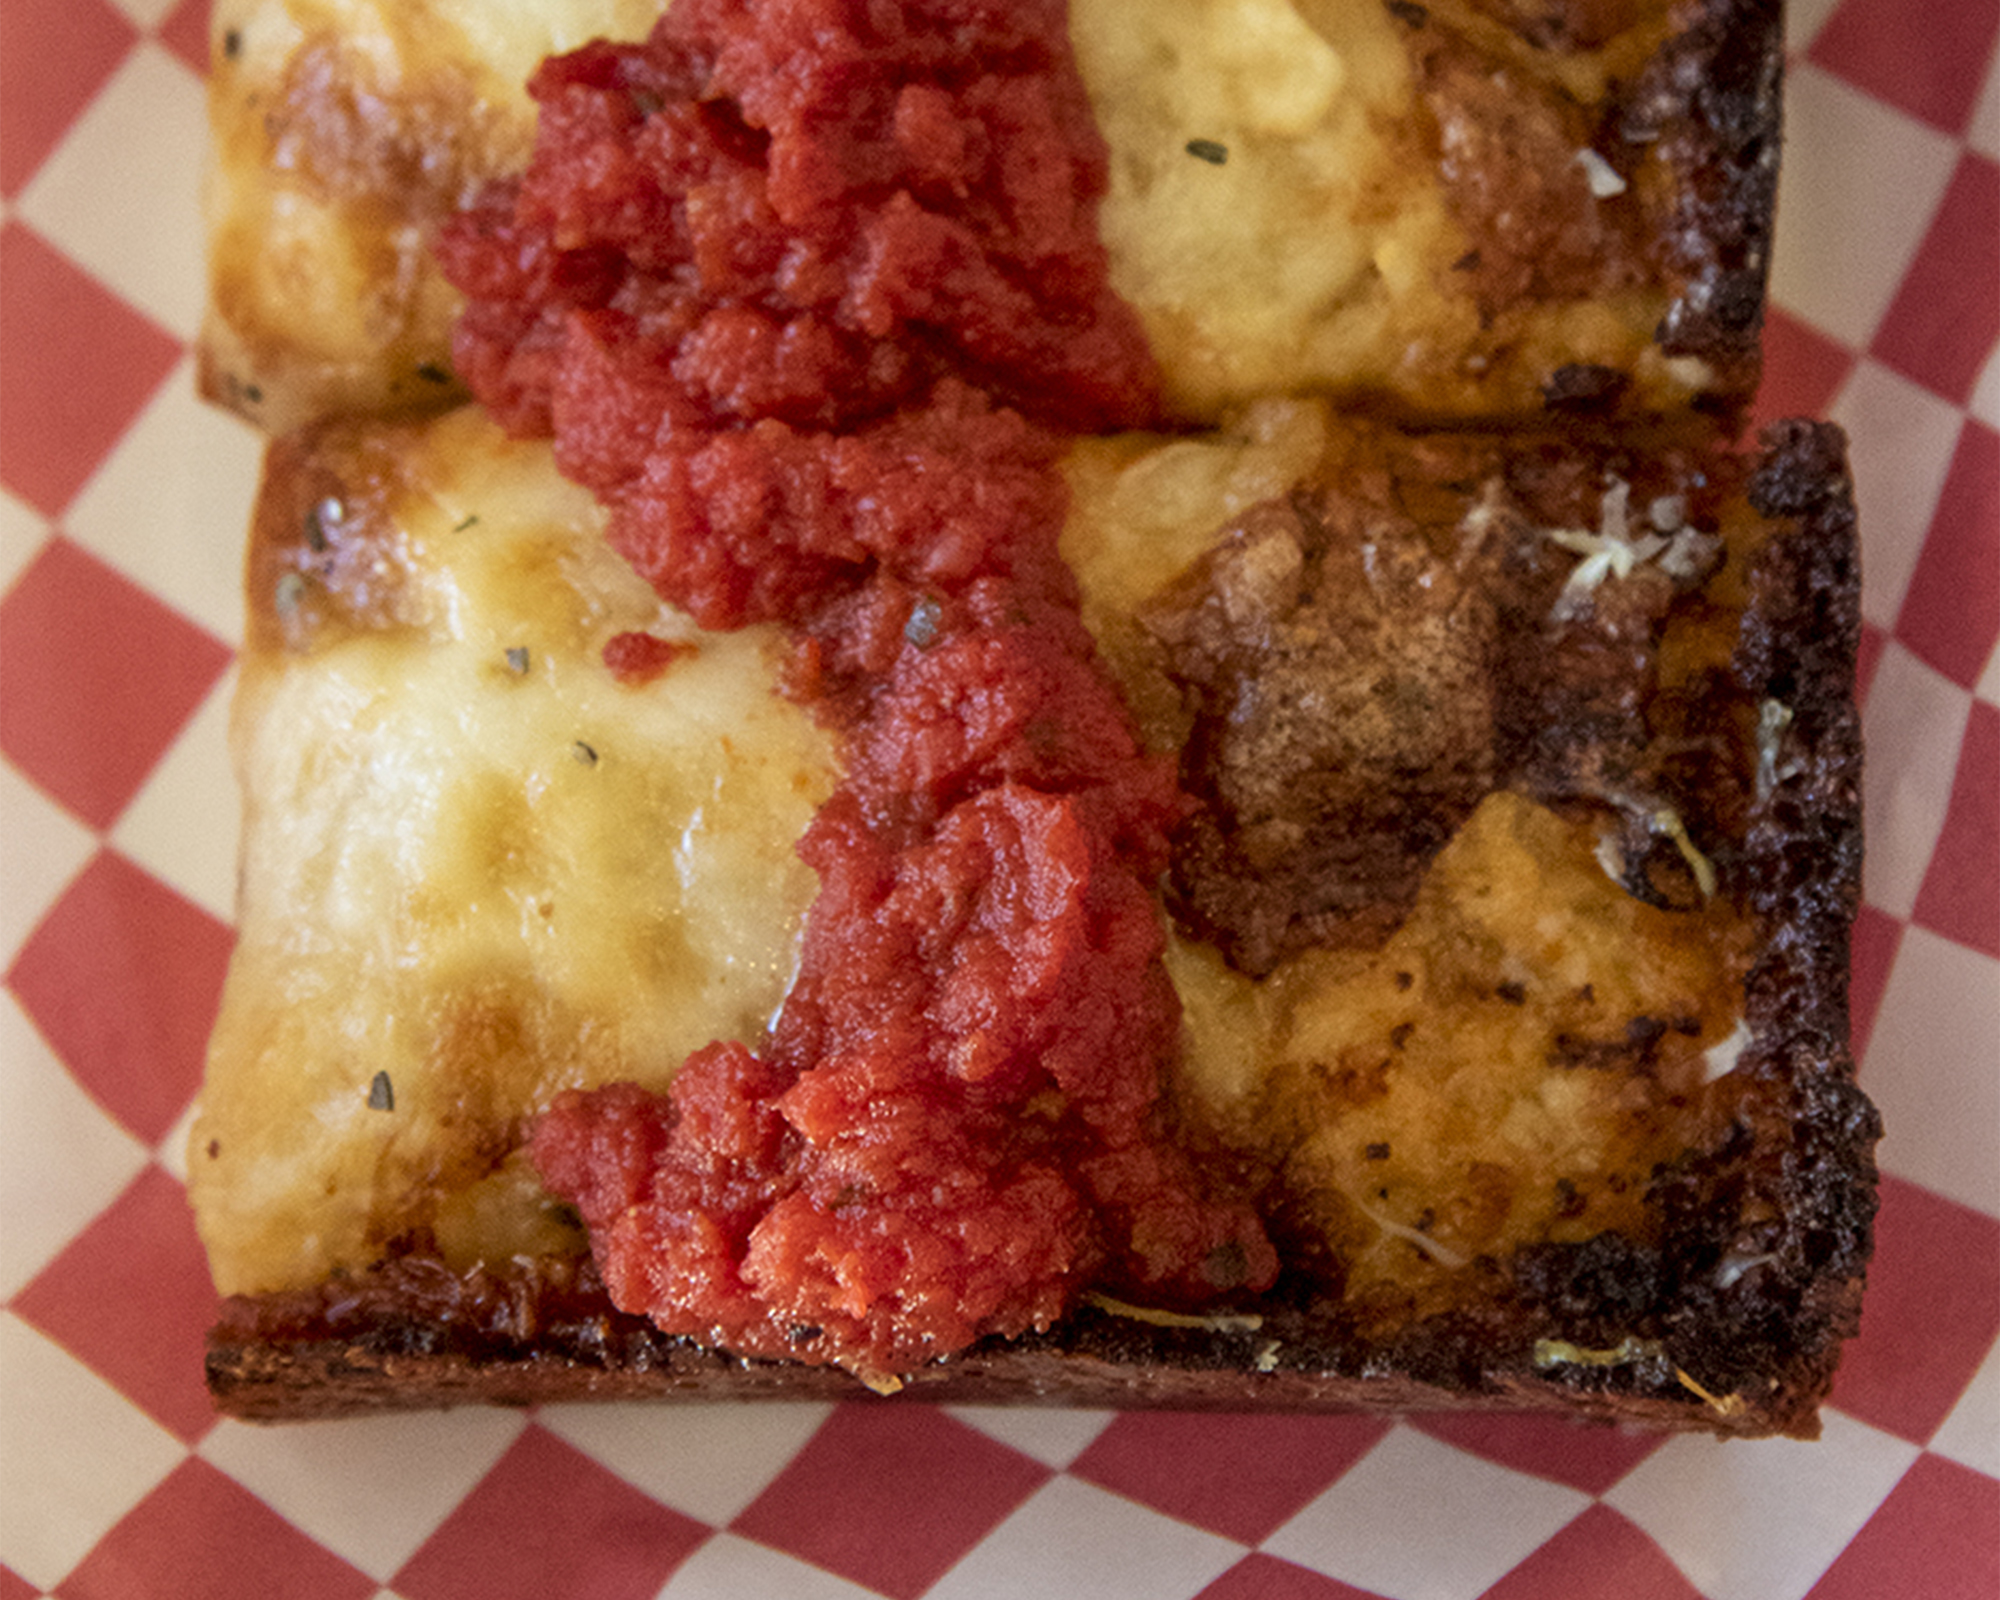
x=486, y=876
x=342, y=133
x=1304, y=243
x=489, y=875
x=1466, y=1089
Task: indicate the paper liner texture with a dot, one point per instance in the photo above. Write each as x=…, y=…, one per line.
x=118, y=602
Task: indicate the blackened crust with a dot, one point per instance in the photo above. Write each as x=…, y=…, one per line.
x=1712, y=100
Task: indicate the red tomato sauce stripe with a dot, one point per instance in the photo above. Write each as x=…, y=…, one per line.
x=786, y=284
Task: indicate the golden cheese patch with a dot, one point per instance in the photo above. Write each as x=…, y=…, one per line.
x=477, y=868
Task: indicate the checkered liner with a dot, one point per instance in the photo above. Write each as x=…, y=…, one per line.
x=121, y=506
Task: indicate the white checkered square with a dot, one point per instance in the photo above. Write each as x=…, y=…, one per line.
x=42, y=847
x=1803, y=20
x=1417, y=1519
x=1984, y=133
x=1860, y=183
x=1901, y=439
x=729, y=1568
x=1971, y=1434
x=146, y=13
x=1912, y=726
x=75, y=1456
x=177, y=534
x=23, y=532
x=182, y=824
x=1051, y=1435
x=371, y=1489
x=172, y=1151
x=1933, y=1069
x=1068, y=1528
x=705, y=1461
x=66, y=1160
x=118, y=193
x=1984, y=402
x=1761, y=1519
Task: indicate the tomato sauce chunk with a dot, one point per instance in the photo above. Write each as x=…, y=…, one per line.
x=808, y=293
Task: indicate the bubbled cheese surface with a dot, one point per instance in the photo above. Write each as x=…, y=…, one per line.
x=482, y=876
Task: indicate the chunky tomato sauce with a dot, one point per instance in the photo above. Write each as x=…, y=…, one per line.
x=805, y=292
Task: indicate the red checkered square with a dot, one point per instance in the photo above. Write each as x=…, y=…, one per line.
x=1261, y=1577
x=1583, y=1456
x=1950, y=614
x=1873, y=642
x=100, y=678
x=1928, y=60
x=1931, y=1313
x=123, y=978
x=185, y=32
x=15, y=1587
x=80, y=363
x=1877, y=936
x=890, y=1496
x=1943, y=1522
x=54, y=56
x=1960, y=897
x=131, y=1299
x=200, y=1533
x=1803, y=369
x=548, y=1523
x=1599, y=1556
x=1941, y=326
x=1239, y=1476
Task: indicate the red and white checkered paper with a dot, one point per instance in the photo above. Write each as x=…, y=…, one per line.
x=122, y=505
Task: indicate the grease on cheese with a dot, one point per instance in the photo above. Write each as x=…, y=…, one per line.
x=435, y=886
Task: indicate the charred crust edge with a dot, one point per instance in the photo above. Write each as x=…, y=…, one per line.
x=1713, y=100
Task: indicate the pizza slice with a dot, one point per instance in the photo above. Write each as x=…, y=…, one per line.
x=1539, y=1080
x=982, y=771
